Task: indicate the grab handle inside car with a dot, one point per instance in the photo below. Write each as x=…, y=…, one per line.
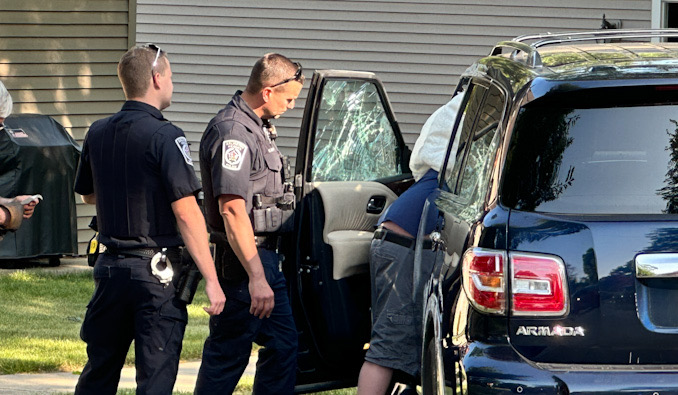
x=376, y=204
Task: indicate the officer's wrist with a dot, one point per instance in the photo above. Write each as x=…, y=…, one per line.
x=211, y=279
x=257, y=275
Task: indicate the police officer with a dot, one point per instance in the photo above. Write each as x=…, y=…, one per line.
x=242, y=173
x=136, y=167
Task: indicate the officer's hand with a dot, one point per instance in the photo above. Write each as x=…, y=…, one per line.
x=216, y=297
x=262, y=298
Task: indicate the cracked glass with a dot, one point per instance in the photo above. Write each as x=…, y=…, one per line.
x=354, y=140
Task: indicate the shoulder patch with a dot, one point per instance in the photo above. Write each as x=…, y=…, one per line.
x=233, y=154
x=182, y=144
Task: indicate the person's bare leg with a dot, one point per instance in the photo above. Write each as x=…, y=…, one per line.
x=373, y=379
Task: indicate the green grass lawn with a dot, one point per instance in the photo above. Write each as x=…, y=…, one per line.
x=40, y=316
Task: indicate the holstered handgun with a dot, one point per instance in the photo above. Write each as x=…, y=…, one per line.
x=188, y=279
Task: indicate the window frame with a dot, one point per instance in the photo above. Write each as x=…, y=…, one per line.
x=488, y=85
x=659, y=15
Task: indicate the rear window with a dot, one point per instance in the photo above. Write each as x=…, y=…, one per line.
x=621, y=159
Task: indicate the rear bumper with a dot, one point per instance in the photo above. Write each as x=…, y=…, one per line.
x=491, y=369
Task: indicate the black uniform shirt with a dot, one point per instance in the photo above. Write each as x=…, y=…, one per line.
x=237, y=158
x=137, y=163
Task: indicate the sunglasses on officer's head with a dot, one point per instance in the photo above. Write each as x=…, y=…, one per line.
x=157, y=54
x=295, y=77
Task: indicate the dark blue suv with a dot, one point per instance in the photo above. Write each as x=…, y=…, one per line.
x=556, y=244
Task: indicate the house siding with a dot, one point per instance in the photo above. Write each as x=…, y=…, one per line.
x=59, y=57
x=418, y=49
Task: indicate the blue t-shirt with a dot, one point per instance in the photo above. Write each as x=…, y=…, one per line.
x=406, y=210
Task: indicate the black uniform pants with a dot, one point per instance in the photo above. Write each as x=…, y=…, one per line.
x=129, y=303
x=228, y=347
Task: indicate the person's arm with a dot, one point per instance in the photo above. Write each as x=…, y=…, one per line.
x=12, y=212
x=241, y=238
x=4, y=214
x=89, y=199
x=194, y=232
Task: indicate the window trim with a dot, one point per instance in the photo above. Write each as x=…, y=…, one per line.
x=487, y=84
x=658, y=14
x=462, y=144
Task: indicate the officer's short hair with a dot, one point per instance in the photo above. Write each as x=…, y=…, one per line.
x=136, y=67
x=270, y=70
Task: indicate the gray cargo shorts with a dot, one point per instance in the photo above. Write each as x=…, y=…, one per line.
x=394, y=343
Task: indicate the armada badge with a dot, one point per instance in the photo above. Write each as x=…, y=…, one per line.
x=550, y=331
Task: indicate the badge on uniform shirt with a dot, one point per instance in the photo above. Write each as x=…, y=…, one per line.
x=185, y=151
x=233, y=154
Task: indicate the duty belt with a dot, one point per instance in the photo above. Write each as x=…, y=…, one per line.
x=269, y=242
x=408, y=242
x=143, y=252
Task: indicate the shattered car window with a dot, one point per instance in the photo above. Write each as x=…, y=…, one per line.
x=354, y=140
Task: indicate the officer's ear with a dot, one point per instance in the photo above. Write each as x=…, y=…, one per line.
x=154, y=79
x=266, y=94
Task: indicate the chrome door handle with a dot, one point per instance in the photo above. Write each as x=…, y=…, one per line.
x=657, y=266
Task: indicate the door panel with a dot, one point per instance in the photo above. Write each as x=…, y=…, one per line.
x=349, y=225
x=351, y=165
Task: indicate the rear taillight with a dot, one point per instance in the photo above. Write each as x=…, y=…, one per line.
x=484, y=280
x=538, y=283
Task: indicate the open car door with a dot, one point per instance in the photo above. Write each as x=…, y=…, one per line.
x=351, y=164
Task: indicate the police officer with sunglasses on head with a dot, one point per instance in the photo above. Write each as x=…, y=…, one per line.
x=246, y=209
x=136, y=167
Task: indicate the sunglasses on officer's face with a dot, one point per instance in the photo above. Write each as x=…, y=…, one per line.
x=295, y=77
x=157, y=54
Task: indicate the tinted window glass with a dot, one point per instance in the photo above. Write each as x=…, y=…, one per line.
x=354, y=139
x=482, y=148
x=594, y=161
x=462, y=136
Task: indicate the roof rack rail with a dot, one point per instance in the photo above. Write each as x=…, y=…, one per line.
x=607, y=34
x=533, y=59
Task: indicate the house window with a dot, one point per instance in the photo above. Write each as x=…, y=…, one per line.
x=665, y=15
x=672, y=17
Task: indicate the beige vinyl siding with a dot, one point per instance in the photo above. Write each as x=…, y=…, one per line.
x=418, y=49
x=59, y=58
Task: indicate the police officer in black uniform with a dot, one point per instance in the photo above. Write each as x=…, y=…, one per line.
x=242, y=173
x=136, y=167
